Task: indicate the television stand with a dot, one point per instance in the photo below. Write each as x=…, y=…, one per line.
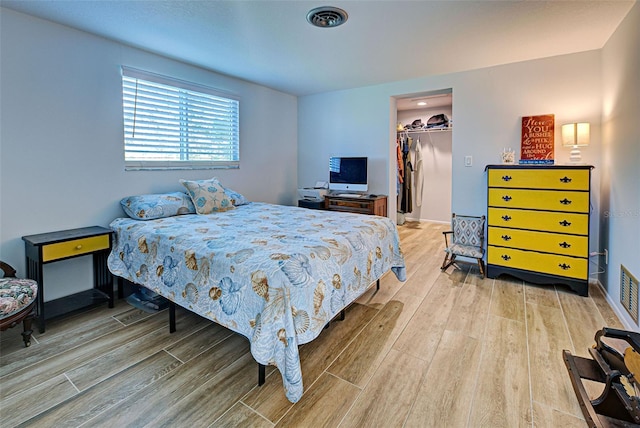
x=355, y=203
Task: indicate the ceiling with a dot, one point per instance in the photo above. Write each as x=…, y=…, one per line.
x=271, y=43
x=426, y=100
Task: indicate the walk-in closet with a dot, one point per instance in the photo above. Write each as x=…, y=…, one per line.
x=424, y=156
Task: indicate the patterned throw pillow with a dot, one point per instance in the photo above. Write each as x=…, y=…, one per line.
x=208, y=196
x=149, y=207
x=236, y=198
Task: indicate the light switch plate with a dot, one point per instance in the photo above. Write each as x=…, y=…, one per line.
x=468, y=161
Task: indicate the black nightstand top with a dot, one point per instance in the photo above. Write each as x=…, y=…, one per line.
x=65, y=235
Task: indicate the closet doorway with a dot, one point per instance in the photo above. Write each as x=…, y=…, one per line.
x=425, y=127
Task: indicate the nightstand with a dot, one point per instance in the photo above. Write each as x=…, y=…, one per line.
x=66, y=244
x=311, y=204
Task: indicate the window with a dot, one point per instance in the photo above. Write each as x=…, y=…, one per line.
x=172, y=124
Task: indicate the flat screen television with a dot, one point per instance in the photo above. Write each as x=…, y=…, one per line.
x=348, y=174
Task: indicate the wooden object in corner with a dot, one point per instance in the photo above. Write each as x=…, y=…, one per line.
x=372, y=205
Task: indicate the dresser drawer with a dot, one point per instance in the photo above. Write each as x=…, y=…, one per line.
x=553, y=200
x=75, y=247
x=570, y=267
x=569, y=245
x=373, y=205
x=571, y=223
x=560, y=179
x=351, y=206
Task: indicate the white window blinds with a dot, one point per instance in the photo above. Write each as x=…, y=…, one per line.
x=172, y=124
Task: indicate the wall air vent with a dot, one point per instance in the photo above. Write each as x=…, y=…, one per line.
x=327, y=17
x=629, y=292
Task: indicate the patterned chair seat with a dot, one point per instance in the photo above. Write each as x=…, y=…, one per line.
x=17, y=301
x=464, y=250
x=467, y=240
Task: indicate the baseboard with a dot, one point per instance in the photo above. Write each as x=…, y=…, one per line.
x=424, y=220
x=616, y=308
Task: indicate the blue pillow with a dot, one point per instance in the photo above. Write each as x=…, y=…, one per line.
x=236, y=198
x=149, y=207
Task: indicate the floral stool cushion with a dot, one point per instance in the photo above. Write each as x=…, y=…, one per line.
x=16, y=294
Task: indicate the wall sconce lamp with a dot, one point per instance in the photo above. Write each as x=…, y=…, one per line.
x=575, y=135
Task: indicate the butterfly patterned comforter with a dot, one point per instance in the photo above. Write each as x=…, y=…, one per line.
x=275, y=274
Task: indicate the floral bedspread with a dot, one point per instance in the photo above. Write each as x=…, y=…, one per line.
x=275, y=274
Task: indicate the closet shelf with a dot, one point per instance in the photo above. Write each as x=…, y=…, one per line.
x=429, y=130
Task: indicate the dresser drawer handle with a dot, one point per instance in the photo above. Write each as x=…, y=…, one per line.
x=506, y=178
x=506, y=217
x=564, y=266
x=506, y=237
x=565, y=179
x=78, y=247
x=505, y=257
x=565, y=223
x=565, y=201
x=565, y=244
x=506, y=198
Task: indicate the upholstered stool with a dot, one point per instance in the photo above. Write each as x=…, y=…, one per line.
x=17, y=301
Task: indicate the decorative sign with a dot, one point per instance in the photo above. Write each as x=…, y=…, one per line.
x=537, y=139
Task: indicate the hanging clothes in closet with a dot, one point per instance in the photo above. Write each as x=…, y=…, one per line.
x=399, y=166
x=418, y=176
x=406, y=205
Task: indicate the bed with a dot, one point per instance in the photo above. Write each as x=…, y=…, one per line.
x=275, y=274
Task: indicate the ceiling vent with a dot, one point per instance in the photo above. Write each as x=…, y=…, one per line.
x=327, y=17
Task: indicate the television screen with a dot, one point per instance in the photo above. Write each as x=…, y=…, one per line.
x=348, y=173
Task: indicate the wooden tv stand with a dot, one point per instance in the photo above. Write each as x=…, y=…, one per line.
x=367, y=204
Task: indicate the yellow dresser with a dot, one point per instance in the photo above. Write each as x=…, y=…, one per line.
x=538, y=224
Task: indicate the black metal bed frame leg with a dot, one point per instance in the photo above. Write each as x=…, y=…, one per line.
x=261, y=374
x=172, y=317
x=120, y=287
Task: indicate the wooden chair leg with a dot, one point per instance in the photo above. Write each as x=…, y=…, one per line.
x=481, y=267
x=448, y=261
x=444, y=262
x=26, y=334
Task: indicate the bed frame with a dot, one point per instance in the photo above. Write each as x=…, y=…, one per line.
x=172, y=324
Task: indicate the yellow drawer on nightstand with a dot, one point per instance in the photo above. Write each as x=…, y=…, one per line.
x=74, y=247
x=569, y=245
x=577, y=202
x=560, y=179
x=547, y=221
x=571, y=267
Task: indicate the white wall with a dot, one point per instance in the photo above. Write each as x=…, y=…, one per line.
x=487, y=107
x=620, y=220
x=346, y=131
x=61, y=158
x=436, y=149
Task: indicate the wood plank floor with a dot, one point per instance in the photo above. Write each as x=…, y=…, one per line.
x=443, y=349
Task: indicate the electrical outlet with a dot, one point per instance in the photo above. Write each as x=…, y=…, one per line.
x=468, y=161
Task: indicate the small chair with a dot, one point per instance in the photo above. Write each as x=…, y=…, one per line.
x=467, y=240
x=17, y=301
